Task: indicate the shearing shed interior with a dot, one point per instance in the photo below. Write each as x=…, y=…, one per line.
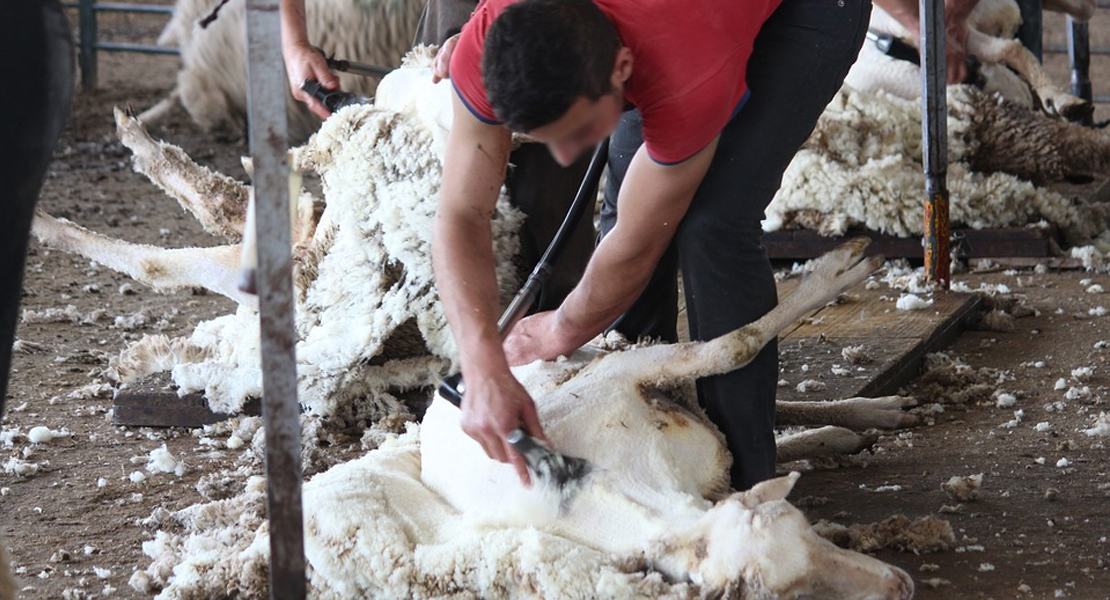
x=931, y=443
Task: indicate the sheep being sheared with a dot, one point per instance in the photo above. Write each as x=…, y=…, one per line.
x=862, y=167
x=432, y=516
x=991, y=25
x=368, y=319
x=212, y=83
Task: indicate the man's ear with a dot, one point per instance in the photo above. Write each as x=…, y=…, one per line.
x=622, y=66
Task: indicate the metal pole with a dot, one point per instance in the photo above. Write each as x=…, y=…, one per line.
x=1079, y=55
x=281, y=414
x=934, y=128
x=86, y=54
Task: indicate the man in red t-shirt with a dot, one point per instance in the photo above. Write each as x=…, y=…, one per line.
x=724, y=92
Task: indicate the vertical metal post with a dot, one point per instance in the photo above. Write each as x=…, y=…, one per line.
x=86, y=53
x=281, y=414
x=1079, y=55
x=934, y=128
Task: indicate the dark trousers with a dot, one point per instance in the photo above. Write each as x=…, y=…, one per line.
x=799, y=61
x=538, y=186
x=36, y=60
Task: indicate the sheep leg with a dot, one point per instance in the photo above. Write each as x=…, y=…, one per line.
x=833, y=273
x=1080, y=10
x=215, y=269
x=857, y=414
x=1053, y=100
x=217, y=201
x=825, y=441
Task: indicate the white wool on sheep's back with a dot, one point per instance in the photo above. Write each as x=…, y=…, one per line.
x=862, y=167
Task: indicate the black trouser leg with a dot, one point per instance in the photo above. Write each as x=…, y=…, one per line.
x=36, y=56
x=798, y=63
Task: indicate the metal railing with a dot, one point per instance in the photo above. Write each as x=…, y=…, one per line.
x=1079, y=53
x=88, y=44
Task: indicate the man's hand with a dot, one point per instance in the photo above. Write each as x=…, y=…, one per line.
x=442, y=68
x=494, y=406
x=302, y=63
x=537, y=337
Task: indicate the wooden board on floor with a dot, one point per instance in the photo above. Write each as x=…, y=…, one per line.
x=896, y=341
x=153, y=403
x=972, y=244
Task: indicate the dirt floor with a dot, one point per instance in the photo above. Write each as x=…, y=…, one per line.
x=74, y=517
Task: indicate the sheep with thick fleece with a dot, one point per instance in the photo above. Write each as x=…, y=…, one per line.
x=368, y=318
x=212, y=83
x=991, y=25
x=862, y=167
x=428, y=515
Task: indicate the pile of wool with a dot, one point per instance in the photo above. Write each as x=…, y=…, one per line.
x=404, y=541
x=922, y=535
x=862, y=167
x=369, y=323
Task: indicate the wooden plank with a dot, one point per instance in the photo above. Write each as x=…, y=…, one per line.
x=150, y=404
x=896, y=341
x=970, y=243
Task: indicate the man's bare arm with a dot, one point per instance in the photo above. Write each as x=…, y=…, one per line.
x=462, y=253
x=302, y=61
x=653, y=200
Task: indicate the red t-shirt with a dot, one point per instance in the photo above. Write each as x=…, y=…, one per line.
x=688, y=75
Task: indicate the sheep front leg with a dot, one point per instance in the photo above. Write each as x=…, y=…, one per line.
x=825, y=441
x=833, y=273
x=215, y=269
x=217, y=201
x=858, y=414
x=1053, y=100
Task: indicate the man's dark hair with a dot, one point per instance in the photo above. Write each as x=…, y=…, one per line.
x=541, y=55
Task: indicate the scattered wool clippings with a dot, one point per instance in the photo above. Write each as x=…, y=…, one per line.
x=1101, y=426
x=1039, y=460
x=101, y=482
x=137, y=477
x=235, y=442
x=42, y=435
x=1075, y=393
x=1098, y=311
x=1063, y=462
x=102, y=573
x=810, y=385
x=855, y=355
x=1061, y=383
x=929, y=567
x=840, y=371
x=1043, y=426
x=1019, y=415
x=163, y=462
x=963, y=489
x=1082, y=373
x=1025, y=589
x=888, y=488
x=935, y=582
x=1102, y=345
x=1006, y=400
x=984, y=567
x=912, y=302
x=1095, y=289
x=20, y=467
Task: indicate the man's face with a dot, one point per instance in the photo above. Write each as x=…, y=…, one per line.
x=582, y=127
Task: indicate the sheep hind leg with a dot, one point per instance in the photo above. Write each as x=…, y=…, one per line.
x=215, y=269
x=833, y=273
x=217, y=201
x=1054, y=101
x=858, y=414
x=822, y=442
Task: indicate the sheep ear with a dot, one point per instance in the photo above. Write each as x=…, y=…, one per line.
x=770, y=490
